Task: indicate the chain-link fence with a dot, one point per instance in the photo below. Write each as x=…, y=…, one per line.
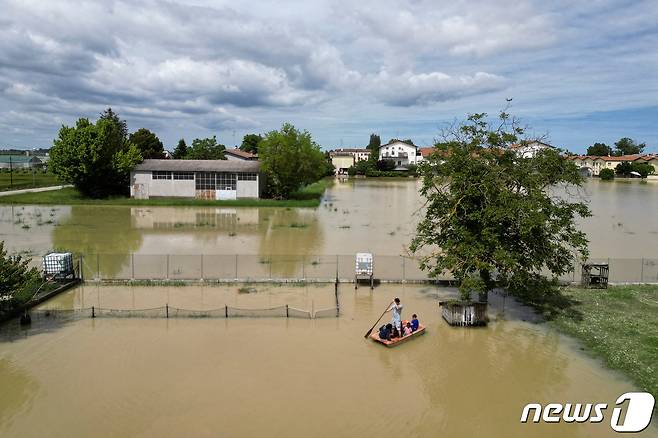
x=283, y=311
x=311, y=268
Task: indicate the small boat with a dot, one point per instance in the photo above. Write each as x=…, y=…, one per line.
x=397, y=341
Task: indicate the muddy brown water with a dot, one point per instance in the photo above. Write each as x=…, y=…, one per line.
x=356, y=215
x=108, y=377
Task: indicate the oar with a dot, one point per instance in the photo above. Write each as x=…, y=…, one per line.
x=373, y=326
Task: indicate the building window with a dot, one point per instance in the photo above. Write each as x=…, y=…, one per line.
x=226, y=181
x=158, y=174
x=184, y=175
x=246, y=177
x=205, y=181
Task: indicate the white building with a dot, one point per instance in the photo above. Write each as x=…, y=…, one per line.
x=530, y=149
x=400, y=152
x=202, y=179
x=344, y=158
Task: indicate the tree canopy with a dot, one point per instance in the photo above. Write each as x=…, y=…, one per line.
x=15, y=275
x=290, y=159
x=628, y=146
x=599, y=150
x=206, y=149
x=494, y=218
x=180, y=151
x=374, y=143
x=95, y=157
x=250, y=143
x=148, y=144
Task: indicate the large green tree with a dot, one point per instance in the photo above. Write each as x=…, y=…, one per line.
x=148, y=144
x=628, y=146
x=599, y=150
x=250, y=143
x=494, y=219
x=290, y=159
x=206, y=149
x=95, y=157
x=180, y=151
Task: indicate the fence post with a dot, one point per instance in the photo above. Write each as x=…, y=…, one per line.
x=286, y=311
x=93, y=312
x=642, y=271
x=226, y=310
x=82, y=277
x=167, y=309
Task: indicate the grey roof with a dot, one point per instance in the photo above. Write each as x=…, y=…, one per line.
x=199, y=165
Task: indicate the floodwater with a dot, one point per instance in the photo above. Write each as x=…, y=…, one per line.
x=356, y=215
x=109, y=377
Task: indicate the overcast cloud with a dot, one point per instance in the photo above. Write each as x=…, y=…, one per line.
x=340, y=69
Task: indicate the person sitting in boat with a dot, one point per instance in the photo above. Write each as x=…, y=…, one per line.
x=414, y=322
x=396, y=309
x=386, y=331
x=407, y=329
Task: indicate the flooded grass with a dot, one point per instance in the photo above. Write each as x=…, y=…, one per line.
x=308, y=198
x=618, y=324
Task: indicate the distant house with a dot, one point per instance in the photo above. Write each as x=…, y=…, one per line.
x=401, y=153
x=344, y=158
x=591, y=165
x=202, y=179
x=19, y=162
x=530, y=149
x=238, y=154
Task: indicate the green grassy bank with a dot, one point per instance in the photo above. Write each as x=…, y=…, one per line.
x=309, y=196
x=24, y=179
x=619, y=325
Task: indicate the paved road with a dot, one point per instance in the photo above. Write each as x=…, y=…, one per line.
x=38, y=189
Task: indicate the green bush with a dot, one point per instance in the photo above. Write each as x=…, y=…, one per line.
x=607, y=174
x=351, y=171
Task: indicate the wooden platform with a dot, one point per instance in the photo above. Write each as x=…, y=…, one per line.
x=397, y=341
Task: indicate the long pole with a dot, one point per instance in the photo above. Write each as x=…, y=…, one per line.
x=382, y=315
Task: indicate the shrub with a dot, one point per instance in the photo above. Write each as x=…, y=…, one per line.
x=607, y=174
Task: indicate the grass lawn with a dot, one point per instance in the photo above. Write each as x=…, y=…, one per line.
x=25, y=180
x=306, y=197
x=620, y=325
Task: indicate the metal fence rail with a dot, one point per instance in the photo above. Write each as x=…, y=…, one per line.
x=311, y=268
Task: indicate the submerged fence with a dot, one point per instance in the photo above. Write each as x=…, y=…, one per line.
x=167, y=311
x=311, y=268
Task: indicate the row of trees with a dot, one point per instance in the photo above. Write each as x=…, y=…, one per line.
x=625, y=146
x=97, y=157
x=627, y=169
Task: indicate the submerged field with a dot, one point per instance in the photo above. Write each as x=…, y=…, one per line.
x=288, y=377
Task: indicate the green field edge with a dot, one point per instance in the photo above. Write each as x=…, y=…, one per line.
x=618, y=326
x=308, y=197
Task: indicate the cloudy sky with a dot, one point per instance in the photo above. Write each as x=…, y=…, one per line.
x=341, y=69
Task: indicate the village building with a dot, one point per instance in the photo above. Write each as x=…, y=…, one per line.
x=591, y=165
x=530, y=149
x=20, y=162
x=401, y=153
x=239, y=154
x=344, y=158
x=201, y=179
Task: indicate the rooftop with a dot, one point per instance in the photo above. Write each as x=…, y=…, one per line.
x=241, y=154
x=199, y=165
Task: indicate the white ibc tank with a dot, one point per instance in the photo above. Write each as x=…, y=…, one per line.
x=58, y=263
x=364, y=263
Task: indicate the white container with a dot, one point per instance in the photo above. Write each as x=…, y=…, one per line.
x=58, y=263
x=364, y=263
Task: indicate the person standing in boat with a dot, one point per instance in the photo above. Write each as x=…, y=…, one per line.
x=396, y=307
